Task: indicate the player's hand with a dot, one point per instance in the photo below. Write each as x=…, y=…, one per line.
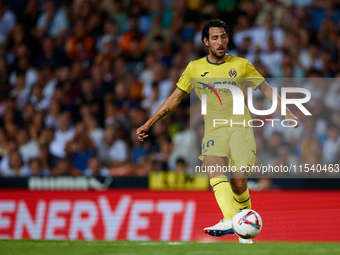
x=290, y=117
x=141, y=132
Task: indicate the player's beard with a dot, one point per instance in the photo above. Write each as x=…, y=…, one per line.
x=216, y=55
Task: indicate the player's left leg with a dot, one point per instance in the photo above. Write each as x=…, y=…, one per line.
x=239, y=187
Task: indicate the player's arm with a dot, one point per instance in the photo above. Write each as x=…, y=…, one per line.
x=267, y=90
x=168, y=106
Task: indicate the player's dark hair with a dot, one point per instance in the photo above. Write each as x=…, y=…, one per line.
x=213, y=23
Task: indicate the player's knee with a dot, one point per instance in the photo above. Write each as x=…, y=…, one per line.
x=239, y=185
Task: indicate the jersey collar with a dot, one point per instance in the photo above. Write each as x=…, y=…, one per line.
x=217, y=64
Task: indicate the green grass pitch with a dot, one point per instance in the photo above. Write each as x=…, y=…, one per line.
x=41, y=247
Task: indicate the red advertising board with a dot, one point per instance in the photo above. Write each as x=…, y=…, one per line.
x=153, y=215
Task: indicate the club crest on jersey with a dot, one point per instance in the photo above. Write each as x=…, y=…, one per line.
x=232, y=73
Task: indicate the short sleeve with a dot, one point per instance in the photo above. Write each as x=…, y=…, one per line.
x=256, y=78
x=184, y=81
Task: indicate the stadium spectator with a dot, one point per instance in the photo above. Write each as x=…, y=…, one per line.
x=89, y=97
x=180, y=166
x=20, y=93
x=101, y=86
x=80, y=149
x=50, y=55
x=107, y=49
x=268, y=30
x=265, y=183
x=63, y=134
x=7, y=20
x=37, y=99
x=48, y=161
x=332, y=97
x=94, y=131
x=332, y=145
x=36, y=168
x=37, y=126
x=310, y=59
x=95, y=169
x=23, y=66
x=119, y=15
x=53, y=21
x=272, y=58
x=46, y=136
x=30, y=16
x=113, y=149
x=64, y=168
x=3, y=144
x=80, y=35
x=242, y=30
x=16, y=166
x=52, y=117
x=27, y=146
x=110, y=29
x=133, y=39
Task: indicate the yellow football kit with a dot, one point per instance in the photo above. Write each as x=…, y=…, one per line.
x=234, y=140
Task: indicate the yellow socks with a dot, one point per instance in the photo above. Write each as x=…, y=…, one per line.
x=242, y=201
x=223, y=195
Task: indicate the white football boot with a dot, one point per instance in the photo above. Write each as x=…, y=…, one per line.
x=220, y=229
x=247, y=241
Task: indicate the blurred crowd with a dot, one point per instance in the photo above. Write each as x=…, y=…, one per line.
x=77, y=77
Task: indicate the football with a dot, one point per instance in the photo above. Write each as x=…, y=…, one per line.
x=247, y=224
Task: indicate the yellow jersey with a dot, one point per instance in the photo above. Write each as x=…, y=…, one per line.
x=233, y=71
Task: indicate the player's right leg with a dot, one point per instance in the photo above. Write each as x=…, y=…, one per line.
x=223, y=195
x=243, y=153
x=238, y=182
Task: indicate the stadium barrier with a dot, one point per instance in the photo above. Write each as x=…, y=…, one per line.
x=156, y=181
x=140, y=214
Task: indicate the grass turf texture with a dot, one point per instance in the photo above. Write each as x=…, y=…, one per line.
x=37, y=247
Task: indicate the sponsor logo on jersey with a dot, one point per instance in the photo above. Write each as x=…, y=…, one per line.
x=204, y=74
x=232, y=73
x=208, y=92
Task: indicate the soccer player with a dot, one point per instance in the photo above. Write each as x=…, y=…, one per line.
x=234, y=145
